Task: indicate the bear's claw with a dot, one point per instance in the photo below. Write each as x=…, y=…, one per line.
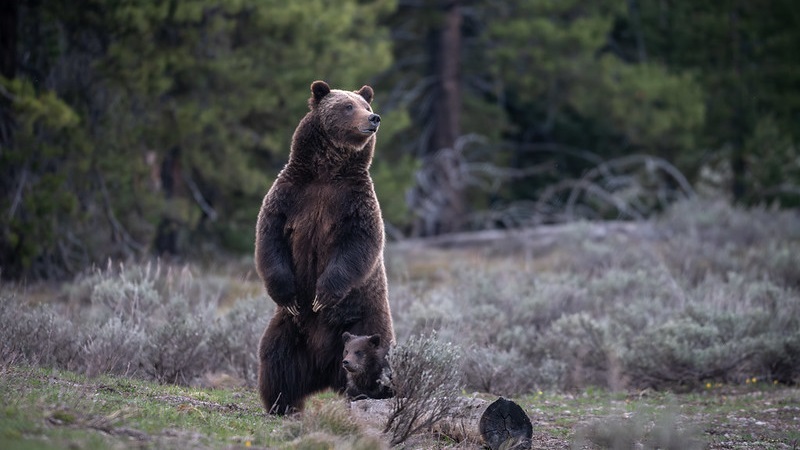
x=316, y=306
x=292, y=309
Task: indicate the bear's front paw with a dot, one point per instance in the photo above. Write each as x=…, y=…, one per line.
x=280, y=287
x=322, y=301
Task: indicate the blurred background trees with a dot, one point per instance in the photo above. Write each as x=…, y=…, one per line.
x=132, y=128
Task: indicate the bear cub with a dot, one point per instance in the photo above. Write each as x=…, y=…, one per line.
x=365, y=361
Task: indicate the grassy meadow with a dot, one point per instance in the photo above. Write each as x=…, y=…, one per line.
x=680, y=332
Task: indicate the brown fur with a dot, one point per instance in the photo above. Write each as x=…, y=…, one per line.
x=320, y=238
x=364, y=359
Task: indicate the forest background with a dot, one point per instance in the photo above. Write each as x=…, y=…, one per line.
x=132, y=128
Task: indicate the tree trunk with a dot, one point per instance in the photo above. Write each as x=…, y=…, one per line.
x=9, y=260
x=447, y=111
x=738, y=162
x=167, y=233
x=9, y=10
x=9, y=15
x=438, y=197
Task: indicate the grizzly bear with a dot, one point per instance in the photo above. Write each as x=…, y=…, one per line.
x=364, y=359
x=319, y=250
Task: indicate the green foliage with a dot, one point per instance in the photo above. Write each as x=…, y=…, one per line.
x=528, y=38
x=392, y=180
x=41, y=173
x=739, y=53
x=223, y=82
x=163, y=121
x=774, y=164
x=131, y=128
x=34, y=109
x=557, y=88
x=655, y=110
x=557, y=54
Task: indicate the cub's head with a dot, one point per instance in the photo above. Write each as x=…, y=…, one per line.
x=346, y=117
x=361, y=353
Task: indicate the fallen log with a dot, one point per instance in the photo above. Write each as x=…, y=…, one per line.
x=500, y=425
x=504, y=425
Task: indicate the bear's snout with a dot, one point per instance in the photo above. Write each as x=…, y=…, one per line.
x=374, y=122
x=347, y=366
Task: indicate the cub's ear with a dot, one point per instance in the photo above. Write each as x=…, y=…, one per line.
x=366, y=92
x=319, y=89
x=346, y=337
x=375, y=340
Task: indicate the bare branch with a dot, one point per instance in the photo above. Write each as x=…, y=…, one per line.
x=632, y=186
x=116, y=226
x=18, y=194
x=199, y=199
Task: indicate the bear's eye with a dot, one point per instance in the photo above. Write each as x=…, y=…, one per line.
x=359, y=353
x=349, y=107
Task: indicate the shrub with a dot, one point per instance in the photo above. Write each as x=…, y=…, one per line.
x=582, y=345
x=328, y=426
x=236, y=334
x=658, y=304
x=659, y=308
x=426, y=381
x=778, y=356
x=132, y=300
x=36, y=335
x=686, y=350
x=145, y=320
x=501, y=372
x=641, y=430
x=176, y=350
x=714, y=238
x=719, y=223
x=114, y=347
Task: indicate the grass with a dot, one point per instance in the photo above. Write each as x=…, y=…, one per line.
x=48, y=408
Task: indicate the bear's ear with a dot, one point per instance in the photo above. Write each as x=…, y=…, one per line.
x=366, y=92
x=319, y=89
x=375, y=340
x=346, y=337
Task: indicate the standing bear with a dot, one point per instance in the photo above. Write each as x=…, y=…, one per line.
x=319, y=250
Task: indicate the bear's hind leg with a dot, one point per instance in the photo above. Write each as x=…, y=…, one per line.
x=284, y=373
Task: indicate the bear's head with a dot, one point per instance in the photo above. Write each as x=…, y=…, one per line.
x=361, y=353
x=346, y=117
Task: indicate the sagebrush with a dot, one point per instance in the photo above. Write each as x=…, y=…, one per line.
x=426, y=380
x=149, y=321
x=706, y=293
